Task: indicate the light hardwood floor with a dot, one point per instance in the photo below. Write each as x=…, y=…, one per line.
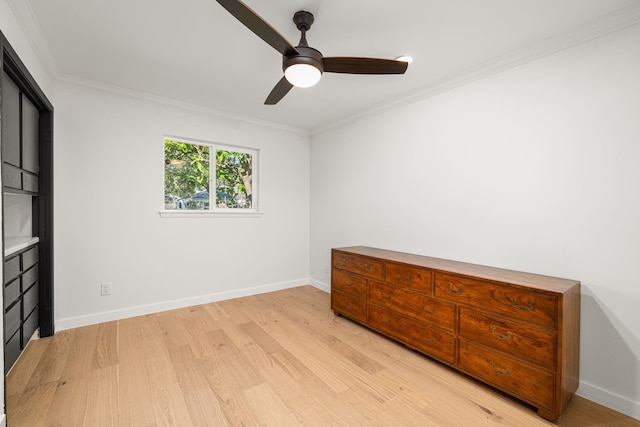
x=279, y=359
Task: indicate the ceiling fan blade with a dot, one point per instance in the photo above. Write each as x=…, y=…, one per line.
x=279, y=91
x=353, y=65
x=259, y=26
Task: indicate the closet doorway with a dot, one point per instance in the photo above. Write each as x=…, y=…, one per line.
x=26, y=142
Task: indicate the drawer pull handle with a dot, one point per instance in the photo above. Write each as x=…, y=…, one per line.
x=428, y=341
x=386, y=322
x=531, y=307
x=406, y=278
x=370, y=268
x=454, y=290
x=342, y=261
x=386, y=297
x=348, y=284
x=424, y=308
x=348, y=305
x=500, y=336
x=506, y=373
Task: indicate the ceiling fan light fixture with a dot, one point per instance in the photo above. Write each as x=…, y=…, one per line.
x=302, y=75
x=303, y=69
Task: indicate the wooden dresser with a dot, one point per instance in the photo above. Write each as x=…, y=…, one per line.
x=518, y=332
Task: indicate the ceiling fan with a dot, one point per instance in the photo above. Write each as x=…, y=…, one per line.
x=303, y=65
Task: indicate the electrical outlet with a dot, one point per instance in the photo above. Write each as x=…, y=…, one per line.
x=105, y=288
x=326, y=269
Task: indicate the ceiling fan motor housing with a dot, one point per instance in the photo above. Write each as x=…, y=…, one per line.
x=308, y=55
x=303, y=20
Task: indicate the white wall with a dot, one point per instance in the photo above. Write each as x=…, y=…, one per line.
x=109, y=165
x=534, y=169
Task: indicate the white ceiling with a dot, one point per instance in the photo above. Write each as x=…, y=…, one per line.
x=195, y=52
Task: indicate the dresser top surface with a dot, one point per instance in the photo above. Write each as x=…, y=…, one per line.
x=548, y=283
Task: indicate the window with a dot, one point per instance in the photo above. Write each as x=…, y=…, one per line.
x=205, y=177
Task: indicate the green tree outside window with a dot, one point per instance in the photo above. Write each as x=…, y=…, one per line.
x=187, y=177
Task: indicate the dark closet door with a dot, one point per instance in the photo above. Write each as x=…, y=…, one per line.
x=10, y=121
x=30, y=129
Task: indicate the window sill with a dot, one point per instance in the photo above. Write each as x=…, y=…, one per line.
x=208, y=214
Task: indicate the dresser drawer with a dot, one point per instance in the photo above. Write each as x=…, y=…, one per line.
x=30, y=299
x=523, y=305
x=11, y=268
x=413, y=304
x=525, y=343
x=12, y=292
x=527, y=382
x=29, y=257
x=430, y=341
x=29, y=182
x=11, y=176
x=349, y=283
x=12, y=320
x=11, y=351
x=410, y=277
x=365, y=266
x=349, y=306
x=29, y=277
x=29, y=327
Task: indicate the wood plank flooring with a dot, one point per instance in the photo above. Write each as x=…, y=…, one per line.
x=278, y=359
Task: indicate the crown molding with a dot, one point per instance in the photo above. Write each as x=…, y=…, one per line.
x=178, y=105
x=26, y=18
x=619, y=20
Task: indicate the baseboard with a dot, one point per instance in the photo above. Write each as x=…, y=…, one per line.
x=108, y=316
x=3, y=420
x=320, y=285
x=609, y=399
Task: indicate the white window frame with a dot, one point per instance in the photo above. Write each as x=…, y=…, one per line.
x=214, y=210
